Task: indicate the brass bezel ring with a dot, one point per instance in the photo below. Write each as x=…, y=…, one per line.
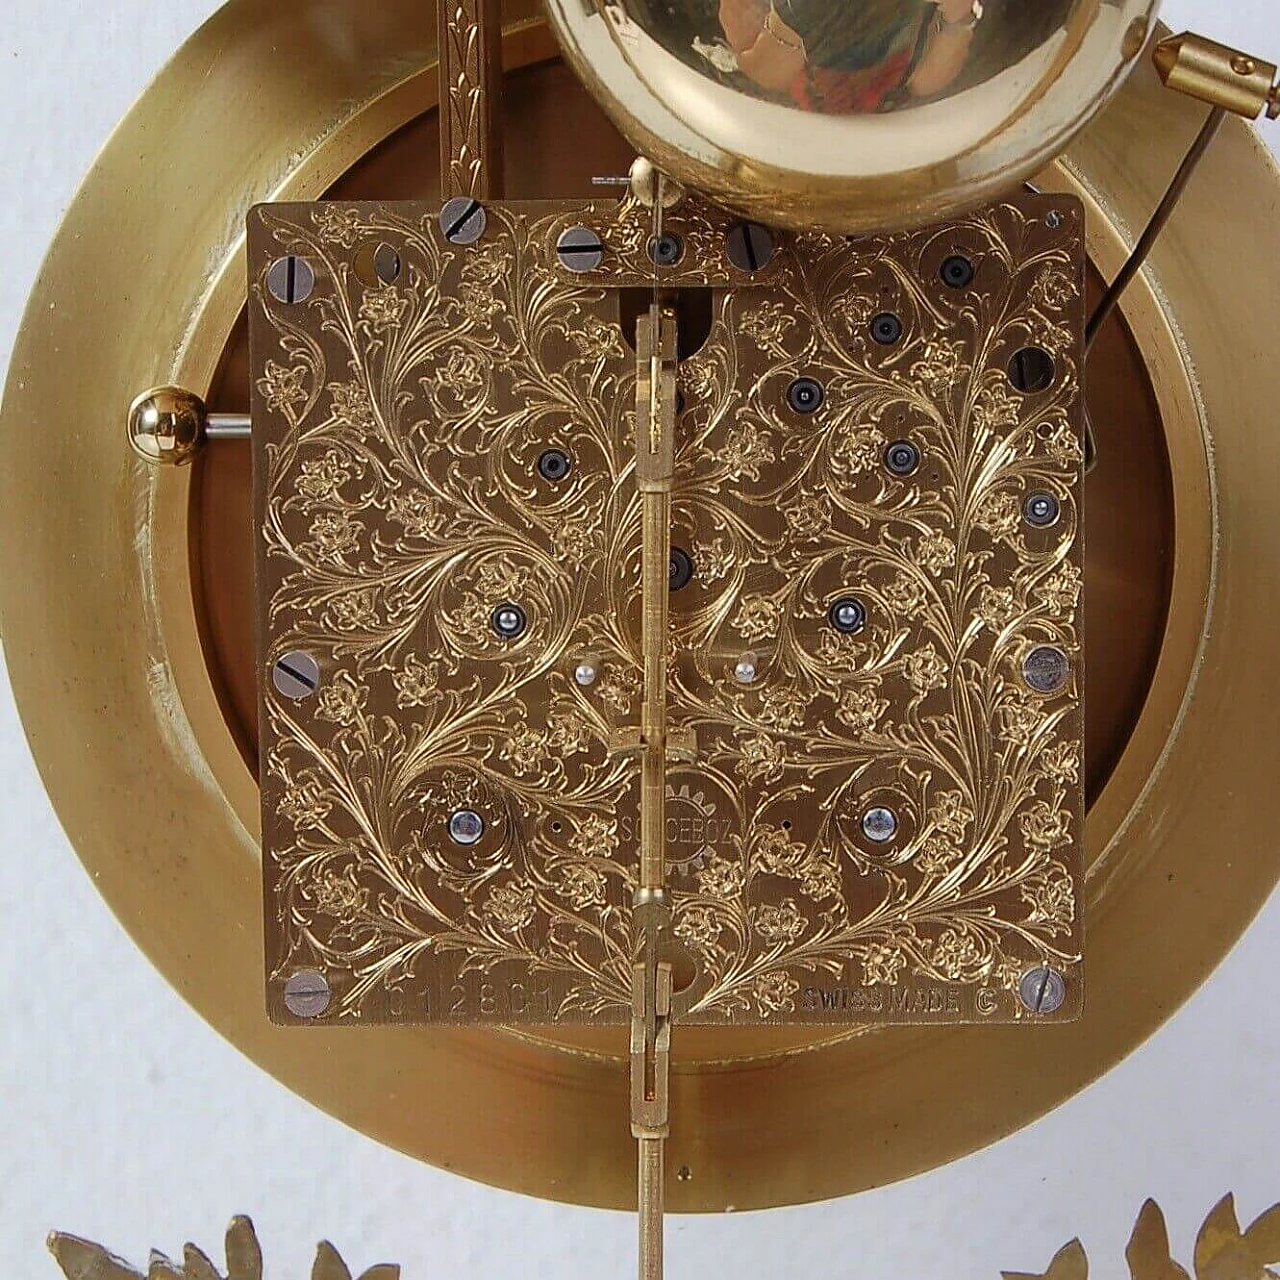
x=101, y=635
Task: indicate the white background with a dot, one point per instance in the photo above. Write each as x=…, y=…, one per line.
x=127, y=1120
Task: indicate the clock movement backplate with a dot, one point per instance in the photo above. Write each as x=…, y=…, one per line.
x=449, y=810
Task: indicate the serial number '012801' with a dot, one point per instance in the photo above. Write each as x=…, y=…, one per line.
x=475, y=999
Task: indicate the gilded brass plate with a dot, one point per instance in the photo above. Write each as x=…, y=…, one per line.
x=398, y=432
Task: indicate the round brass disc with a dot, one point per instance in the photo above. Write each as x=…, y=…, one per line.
x=123, y=594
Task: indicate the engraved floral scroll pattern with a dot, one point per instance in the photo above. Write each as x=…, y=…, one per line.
x=467, y=145
x=400, y=504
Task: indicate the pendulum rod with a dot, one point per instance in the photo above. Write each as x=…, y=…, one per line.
x=470, y=37
x=652, y=970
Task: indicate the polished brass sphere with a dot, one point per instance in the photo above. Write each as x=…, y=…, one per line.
x=851, y=115
x=167, y=425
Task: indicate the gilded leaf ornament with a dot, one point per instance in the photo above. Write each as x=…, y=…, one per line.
x=1222, y=1251
x=83, y=1260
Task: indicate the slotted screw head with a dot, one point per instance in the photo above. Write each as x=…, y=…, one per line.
x=290, y=280
x=296, y=675
x=307, y=994
x=463, y=220
x=585, y=673
x=750, y=247
x=580, y=249
x=1042, y=990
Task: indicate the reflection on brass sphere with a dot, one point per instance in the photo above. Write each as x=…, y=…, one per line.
x=851, y=115
x=166, y=425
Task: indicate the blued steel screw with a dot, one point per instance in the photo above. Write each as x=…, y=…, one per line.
x=848, y=616
x=666, y=250
x=957, y=272
x=1046, y=668
x=806, y=395
x=1041, y=510
x=886, y=328
x=681, y=570
x=901, y=457
x=880, y=824
x=509, y=621
x=554, y=465
x=386, y=264
x=466, y=827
